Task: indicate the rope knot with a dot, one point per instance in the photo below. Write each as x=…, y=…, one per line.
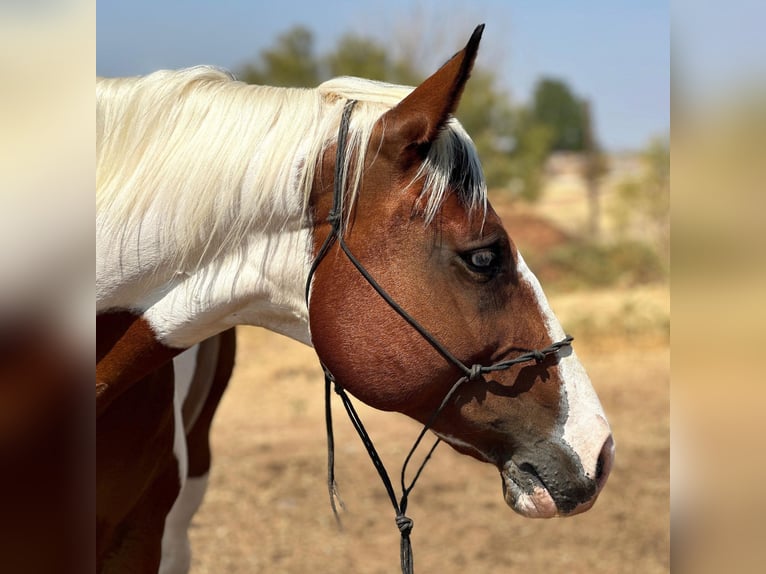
x=475, y=374
x=405, y=524
x=334, y=219
x=539, y=356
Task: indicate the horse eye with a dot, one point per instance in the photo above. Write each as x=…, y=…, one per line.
x=481, y=260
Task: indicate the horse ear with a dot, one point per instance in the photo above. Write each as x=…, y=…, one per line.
x=417, y=119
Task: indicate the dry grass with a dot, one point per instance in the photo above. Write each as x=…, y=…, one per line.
x=631, y=317
x=267, y=508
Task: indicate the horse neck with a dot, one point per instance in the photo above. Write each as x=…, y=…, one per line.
x=258, y=282
x=248, y=263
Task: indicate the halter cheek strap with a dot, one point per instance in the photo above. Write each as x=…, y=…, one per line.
x=472, y=373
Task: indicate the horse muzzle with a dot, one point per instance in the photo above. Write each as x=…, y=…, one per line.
x=543, y=489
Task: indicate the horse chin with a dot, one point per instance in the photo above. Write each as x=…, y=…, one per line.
x=526, y=494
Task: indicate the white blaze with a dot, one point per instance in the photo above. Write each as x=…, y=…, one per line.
x=585, y=425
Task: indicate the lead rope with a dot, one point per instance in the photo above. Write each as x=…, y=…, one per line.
x=475, y=372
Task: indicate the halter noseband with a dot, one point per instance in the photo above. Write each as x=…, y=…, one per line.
x=472, y=373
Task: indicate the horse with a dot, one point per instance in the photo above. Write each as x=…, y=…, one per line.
x=352, y=217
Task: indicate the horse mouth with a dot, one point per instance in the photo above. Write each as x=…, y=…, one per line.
x=525, y=492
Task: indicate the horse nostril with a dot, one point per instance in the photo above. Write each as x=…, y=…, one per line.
x=605, y=461
x=600, y=465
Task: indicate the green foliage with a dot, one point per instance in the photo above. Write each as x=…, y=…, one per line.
x=557, y=120
x=361, y=57
x=290, y=63
x=365, y=58
x=486, y=114
x=555, y=105
x=533, y=145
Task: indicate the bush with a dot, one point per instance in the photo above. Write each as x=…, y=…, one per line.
x=586, y=264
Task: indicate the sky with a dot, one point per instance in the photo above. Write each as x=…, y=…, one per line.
x=718, y=49
x=616, y=53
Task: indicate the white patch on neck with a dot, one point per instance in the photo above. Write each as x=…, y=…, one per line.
x=259, y=282
x=585, y=425
x=262, y=285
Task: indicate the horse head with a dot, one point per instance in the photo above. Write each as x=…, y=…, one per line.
x=416, y=216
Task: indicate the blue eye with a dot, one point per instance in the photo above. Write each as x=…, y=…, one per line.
x=483, y=261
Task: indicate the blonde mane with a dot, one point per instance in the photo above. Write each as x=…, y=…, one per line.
x=206, y=153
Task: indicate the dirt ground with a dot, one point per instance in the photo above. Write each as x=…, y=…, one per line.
x=267, y=508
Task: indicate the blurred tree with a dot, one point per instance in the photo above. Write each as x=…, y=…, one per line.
x=291, y=62
x=512, y=143
x=642, y=204
x=557, y=121
x=486, y=114
x=361, y=57
x=533, y=141
x=555, y=105
x=596, y=165
x=366, y=58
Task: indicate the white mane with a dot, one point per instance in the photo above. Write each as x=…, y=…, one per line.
x=206, y=152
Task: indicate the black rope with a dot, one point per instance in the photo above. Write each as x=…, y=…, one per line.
x=332, y=485
x=403, y=522
x=472, y=373
x=433, y=341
